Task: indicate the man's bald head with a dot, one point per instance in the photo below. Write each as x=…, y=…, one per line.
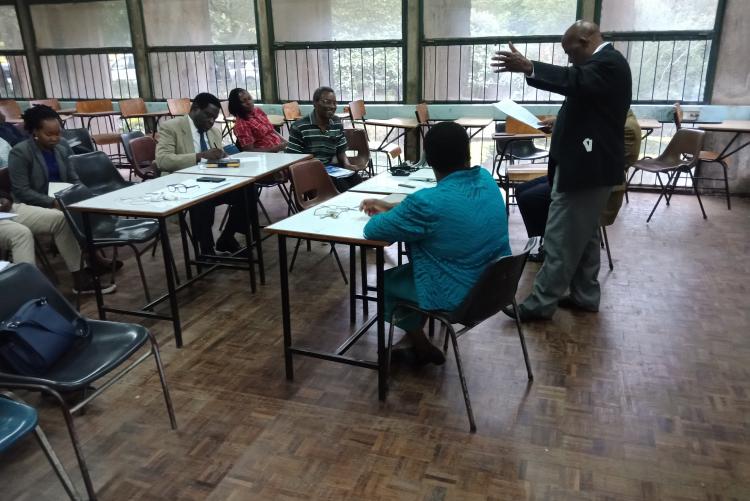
x=581, y=40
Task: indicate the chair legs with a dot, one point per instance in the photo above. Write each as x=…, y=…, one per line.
x=467, y=401
x=697, y=194
x=57, y=466
x=333, y=251
x=529, y=373
x=163, y=380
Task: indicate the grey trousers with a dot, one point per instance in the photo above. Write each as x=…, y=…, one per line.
x=571, y=252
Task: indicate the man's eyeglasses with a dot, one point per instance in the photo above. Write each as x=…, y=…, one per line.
x=327, y=102
x=180, y=188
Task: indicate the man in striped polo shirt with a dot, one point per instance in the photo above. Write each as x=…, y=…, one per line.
x=321, y=134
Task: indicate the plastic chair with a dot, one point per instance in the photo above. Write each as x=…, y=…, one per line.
x=143, y=151
x=495, y=289
x=97, y=172
x=706, y=157
x=312, y=186
x=11, y=109
x=125, y=141
x=291, y=111
x=98, y=357
x=357, y=113
x=99, y=106
x=109, y=231
x=79, y=140
x=356, y=140
x=65, y=115
x=681, y=155
x=18, y=419
x=179, y=106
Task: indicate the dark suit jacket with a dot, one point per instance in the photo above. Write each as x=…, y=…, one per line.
x=28, y=172
x=598, y=95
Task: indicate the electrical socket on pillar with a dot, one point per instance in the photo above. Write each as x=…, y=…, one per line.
x=690, y=115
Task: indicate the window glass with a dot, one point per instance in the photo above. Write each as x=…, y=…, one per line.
x=199, y=22
x=490, y=18
x=664, y=15
x=81, y=25
x=11, y=39
x=337, y=20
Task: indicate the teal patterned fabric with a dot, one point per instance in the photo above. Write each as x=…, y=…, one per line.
x=454, y=231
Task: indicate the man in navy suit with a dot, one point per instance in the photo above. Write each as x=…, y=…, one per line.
x=586, y=160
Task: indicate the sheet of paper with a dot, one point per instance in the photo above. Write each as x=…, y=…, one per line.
x=515, y=110
x=7, y=215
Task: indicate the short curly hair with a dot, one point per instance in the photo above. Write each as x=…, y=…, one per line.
x=34, y=116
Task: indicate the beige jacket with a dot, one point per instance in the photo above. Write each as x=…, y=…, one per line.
x=175, y=149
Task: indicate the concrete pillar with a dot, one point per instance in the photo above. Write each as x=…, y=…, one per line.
x=29, y=43
x=264, y=23
x=412, y=37
x=140, y=54
x=587, y=11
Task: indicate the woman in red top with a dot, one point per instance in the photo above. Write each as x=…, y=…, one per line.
x=252, y=128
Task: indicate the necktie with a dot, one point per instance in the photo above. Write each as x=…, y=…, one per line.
x=204, y=145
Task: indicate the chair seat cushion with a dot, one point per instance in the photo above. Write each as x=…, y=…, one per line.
x=654, y=165
x=708, y=156
x=393, y=150
x=16, y=420
x=109, y=345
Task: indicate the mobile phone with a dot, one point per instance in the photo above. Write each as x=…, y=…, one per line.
x=209, y=179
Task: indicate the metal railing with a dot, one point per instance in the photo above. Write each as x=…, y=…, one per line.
x=14, y=73
x=185, y=71
x=371, y=71
x=99, y=75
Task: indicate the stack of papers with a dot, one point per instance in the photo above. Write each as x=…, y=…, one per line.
x=334, y=171
x=515, y=110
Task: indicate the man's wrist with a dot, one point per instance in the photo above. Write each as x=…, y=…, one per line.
x=530, y=71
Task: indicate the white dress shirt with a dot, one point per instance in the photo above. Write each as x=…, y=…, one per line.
x=197, y=136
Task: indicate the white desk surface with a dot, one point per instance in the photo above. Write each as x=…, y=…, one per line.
x=387, y=183
x=397, y=123
x=473, y=122
x=54, y=187
x=252, y=165
x=346, y=228
x=728, y=126
x=134, y=200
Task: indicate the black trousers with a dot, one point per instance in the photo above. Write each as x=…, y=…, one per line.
x=202, y=219
x=344, y=183
x=534, y=198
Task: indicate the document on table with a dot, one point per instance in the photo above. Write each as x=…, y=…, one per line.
x=515, y=110
x=334, y=171
x=7, y=215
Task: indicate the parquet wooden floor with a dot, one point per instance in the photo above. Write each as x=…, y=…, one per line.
x=647, y=400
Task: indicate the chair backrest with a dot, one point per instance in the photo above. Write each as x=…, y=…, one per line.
x=677, y=115
x=177, y=107
x=94, y=105
x=97, y=172
x=495, y=289
x=225, y=109
x=143, y=150
x=422, y=113
x=356, y=140
x=135, y=106
x=514, y=126
x=10, y=108
x=27, y=282
x=357, y=109
x=311, y=183
x=5, y=180
x=52, y=103
x=100, y=223
x=79, y=139
x=291, y=111
x=126, y=138
x=684, y=149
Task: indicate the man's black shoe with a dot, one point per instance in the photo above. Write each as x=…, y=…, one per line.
x=227, y=244
x=569, y=304
x=524, y=316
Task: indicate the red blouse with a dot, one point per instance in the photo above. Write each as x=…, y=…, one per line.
x=255, y=131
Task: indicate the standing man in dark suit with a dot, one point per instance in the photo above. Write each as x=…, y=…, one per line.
x=586, y=161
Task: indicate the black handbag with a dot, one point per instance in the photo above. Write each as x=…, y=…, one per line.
x=37, y=335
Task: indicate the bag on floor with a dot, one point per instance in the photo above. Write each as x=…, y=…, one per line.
x=37, y=335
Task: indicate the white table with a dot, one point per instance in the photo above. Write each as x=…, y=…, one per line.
x=253, y=167
x=153, y=199
x=346, y=228
x=387, y=184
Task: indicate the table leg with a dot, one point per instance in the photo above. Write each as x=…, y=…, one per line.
x=91, y=251
x=285, y=313
x=352, y=283
x=252, y=220
x=185, y=247
x=382, y=355
x=363, y=266
x=253, y=213
x=168, y=259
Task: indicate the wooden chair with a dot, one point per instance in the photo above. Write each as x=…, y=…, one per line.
x=423, y=118
x=65, y=114
x=356, y=140
x=178, y=107
x=706, y=157
x=11, y=110
x=291, y=112
x=357, y=113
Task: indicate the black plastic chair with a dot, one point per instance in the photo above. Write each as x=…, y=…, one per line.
x=523, y=150
x=17, y=420
x=495, y=289
x=96, y=357
x=109, y=231
x=79, y=140
x=97, y=172
x=125, y=140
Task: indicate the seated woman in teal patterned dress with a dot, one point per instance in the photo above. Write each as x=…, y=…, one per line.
x=453, y=231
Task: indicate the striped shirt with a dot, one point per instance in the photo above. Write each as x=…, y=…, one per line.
x=305, y=136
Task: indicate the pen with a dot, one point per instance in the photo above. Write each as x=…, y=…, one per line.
x=407, y=185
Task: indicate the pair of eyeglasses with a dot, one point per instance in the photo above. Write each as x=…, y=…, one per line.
x=180, y=188
x=332, y=211
x=327, y=102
